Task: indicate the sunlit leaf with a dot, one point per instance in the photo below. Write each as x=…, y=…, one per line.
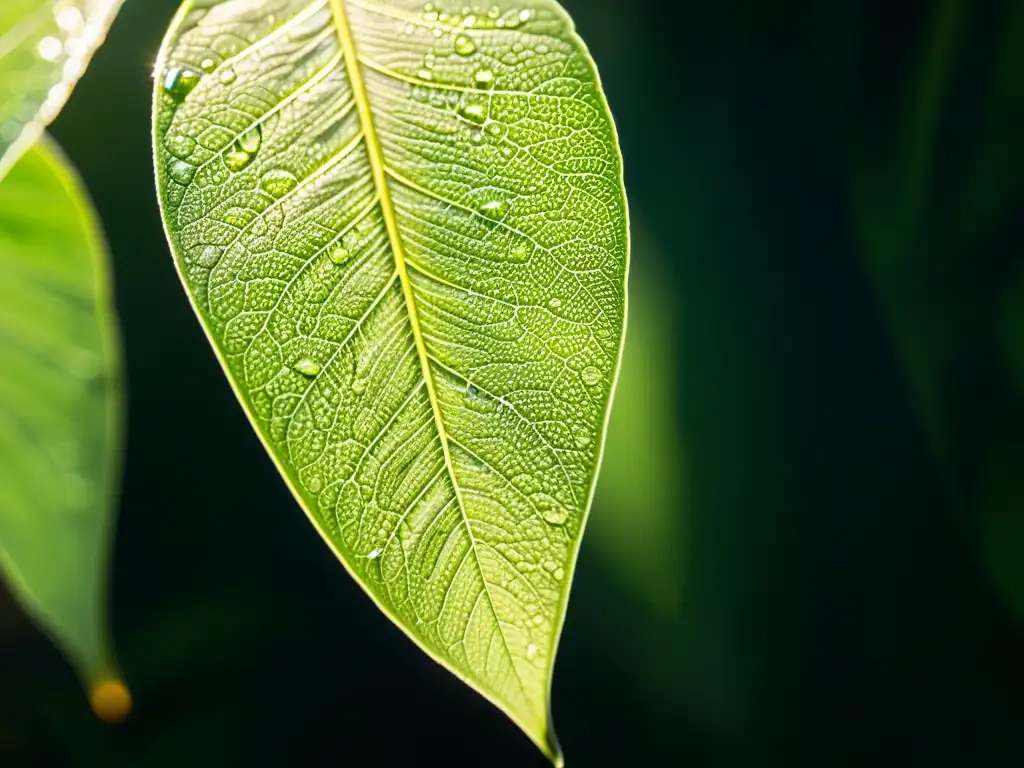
x=45, y=46
x=60, y=405
x=404, y=230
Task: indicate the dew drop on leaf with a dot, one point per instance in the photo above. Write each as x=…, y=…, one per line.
x=251, y=140
x=236, y=160
x=464, y=45
x=278, y=183
x=308, y=368
x=484, y=78
x=591, y=376
x=494, y=209
x=552, y=512
x=180, y=145
x=180, y=81
x=475, y=113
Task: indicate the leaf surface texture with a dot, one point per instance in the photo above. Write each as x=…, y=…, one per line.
x=404, y=230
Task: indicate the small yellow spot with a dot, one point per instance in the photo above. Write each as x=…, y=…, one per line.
x=111, y=701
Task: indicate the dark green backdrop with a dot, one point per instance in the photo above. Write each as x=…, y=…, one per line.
x=827, y=373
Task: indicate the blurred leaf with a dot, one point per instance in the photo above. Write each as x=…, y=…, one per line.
x=1000, y=502
x=892, y=187
x=417, y=293
x=1011, y=331
x=60, y=412
x=639, y=517
x=45, y=46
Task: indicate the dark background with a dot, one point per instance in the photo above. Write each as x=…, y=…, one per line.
x=808, y=546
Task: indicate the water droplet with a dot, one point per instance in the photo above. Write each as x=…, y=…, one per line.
x=180, y=145
x=208, y=65
x=531, y=652
x=472, y=393
x=251, y=140
x=278, y=183
x=359, y=386
x=308, y=368
x=591, y=376
x=237, y=160
x=316, y=485
x=525, y=15
x=227, y=76
x=475, y=113
x=180, y=81
x=559, y=574
x=464, y=45
x=70, y=19
x=341, y=255
x=425, y=74
x=495, y=209
x=555, y=303
x=205, y=256
x=477, y=136
x=519, y=253
x=552, y=512
x=582, y=439
x=182, y=172
x=50, y=49
x=484, y=78
x=375, y=554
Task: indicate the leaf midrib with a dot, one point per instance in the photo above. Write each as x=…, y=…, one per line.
x=380, y=178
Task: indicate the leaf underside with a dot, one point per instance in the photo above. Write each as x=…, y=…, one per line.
x=59, y=406
x=45, y=46
x=404, y=230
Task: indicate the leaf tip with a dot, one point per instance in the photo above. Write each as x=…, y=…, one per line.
x=111, y=700
x=552, y=748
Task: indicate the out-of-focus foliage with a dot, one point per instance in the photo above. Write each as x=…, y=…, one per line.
x=45, y=46
x=60, y=411
x=935, y=244
x=639, y=518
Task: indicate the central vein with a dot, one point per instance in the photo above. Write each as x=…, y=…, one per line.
x=380, y=179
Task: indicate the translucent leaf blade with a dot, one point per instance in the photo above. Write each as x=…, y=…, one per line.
x=405, y=233
x=60, y=404
x=45, y=46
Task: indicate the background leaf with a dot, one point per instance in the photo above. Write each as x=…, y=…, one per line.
x=60, y=406
x=639, y=519
x=404, y=229
x=45, y=46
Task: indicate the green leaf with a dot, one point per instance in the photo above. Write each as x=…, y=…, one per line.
x=60, y=401
x=404, y=230
x=45, y=46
